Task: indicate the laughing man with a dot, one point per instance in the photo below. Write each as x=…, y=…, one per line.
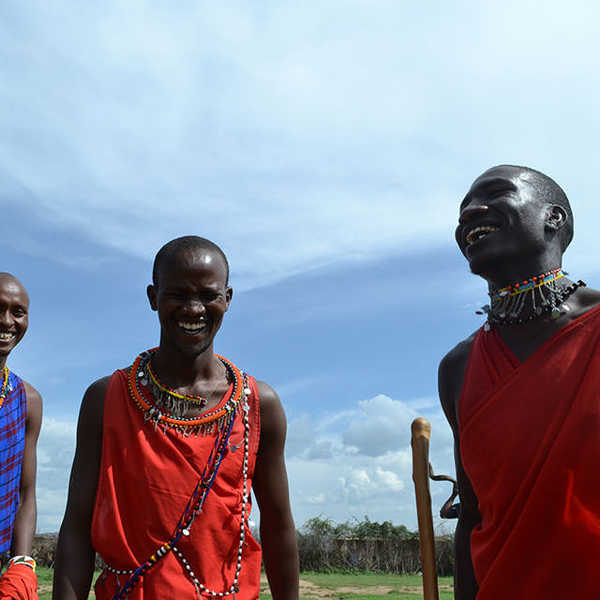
x=167, y=452
x=522, y=397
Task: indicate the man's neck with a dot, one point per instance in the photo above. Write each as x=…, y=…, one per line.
x=182, y=369
x=3, y=361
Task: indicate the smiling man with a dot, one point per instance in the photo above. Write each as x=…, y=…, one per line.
x=168, y=450
x=20, y=422
x=521, y=396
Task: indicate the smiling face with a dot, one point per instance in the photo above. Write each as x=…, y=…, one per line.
x=503, y=222
x=191, y=296
x=14, y=314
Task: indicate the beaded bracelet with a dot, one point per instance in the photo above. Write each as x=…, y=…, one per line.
x=22, y=560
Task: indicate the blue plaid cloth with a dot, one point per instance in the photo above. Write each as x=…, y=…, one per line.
x=13, y=415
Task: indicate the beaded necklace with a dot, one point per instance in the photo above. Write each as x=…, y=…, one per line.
x=174, y=402
x=161, y=416
x=223, y=423
x=4, y=386
x=529, y=299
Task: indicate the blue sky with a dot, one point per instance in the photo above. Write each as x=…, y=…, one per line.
x=326, y=147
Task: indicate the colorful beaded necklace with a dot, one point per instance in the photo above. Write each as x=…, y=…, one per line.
x=173, y=401
x=223, y=423
x=4, y=386
x=529, y=299
x=161, y=416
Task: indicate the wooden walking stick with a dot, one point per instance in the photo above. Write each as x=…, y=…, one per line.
x=421, y=432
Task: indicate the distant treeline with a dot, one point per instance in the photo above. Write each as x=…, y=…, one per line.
x=325, y=546
x=367, y=546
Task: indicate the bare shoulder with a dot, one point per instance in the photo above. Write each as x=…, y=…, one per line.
x=92, y=405
x=450, y=376
x=272, y=415
x=34, y=399
x=268, y=396
x=34, y=411
x=457, y=356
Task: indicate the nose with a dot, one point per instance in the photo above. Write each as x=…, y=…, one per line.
x=194, y=306
x=5, y=318
x=472, y=211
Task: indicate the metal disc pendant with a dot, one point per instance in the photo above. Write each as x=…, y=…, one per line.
x=555, y=313
x=486, y=326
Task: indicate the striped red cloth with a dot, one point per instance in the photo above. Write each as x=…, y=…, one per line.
x=13, y=415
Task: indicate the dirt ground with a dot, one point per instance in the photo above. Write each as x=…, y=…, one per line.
x=312, y=590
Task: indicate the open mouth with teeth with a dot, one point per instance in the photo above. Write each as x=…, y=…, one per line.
x=7, y=336
x=479, y=233
x=192, y=327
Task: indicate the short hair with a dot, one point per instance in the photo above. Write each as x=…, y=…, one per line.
x=180, y=244
x=551, y=193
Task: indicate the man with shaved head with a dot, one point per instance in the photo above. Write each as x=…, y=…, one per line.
x=522, y=397
x=20, y=421
x=168, y=450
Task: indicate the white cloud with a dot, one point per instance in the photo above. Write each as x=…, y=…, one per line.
x=56, y=447
x=361, y=475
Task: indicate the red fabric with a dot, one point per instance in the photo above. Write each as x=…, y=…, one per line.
x=530, y=444
x=18, y=583
x=147, y=476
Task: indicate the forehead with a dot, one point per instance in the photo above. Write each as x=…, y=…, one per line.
x=500, y=174
x=496, y=179
x=193, y=263
x=11, y=290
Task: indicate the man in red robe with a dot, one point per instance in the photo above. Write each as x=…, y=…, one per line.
x=168, y=450
x=522, y=397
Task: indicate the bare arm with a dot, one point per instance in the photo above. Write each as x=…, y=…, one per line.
x=450, y=379
x=27, y=512
x=74, y=552
x=277, y=530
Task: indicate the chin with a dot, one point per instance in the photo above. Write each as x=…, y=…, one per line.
x=193, y=350
x=486, y=267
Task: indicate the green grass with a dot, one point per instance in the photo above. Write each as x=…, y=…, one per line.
x=44, y=575
x=333, y=580
x=360, y=584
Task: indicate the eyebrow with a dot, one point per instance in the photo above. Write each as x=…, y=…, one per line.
x=492, y=184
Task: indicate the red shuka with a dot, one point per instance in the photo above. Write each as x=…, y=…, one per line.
x=147, y=475
x=530, y=444
x=19, y=582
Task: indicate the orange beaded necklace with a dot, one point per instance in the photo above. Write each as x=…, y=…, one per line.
x=204, y=423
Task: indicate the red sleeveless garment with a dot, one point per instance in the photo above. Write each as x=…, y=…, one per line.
x=530, y=444
x=147, y=475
